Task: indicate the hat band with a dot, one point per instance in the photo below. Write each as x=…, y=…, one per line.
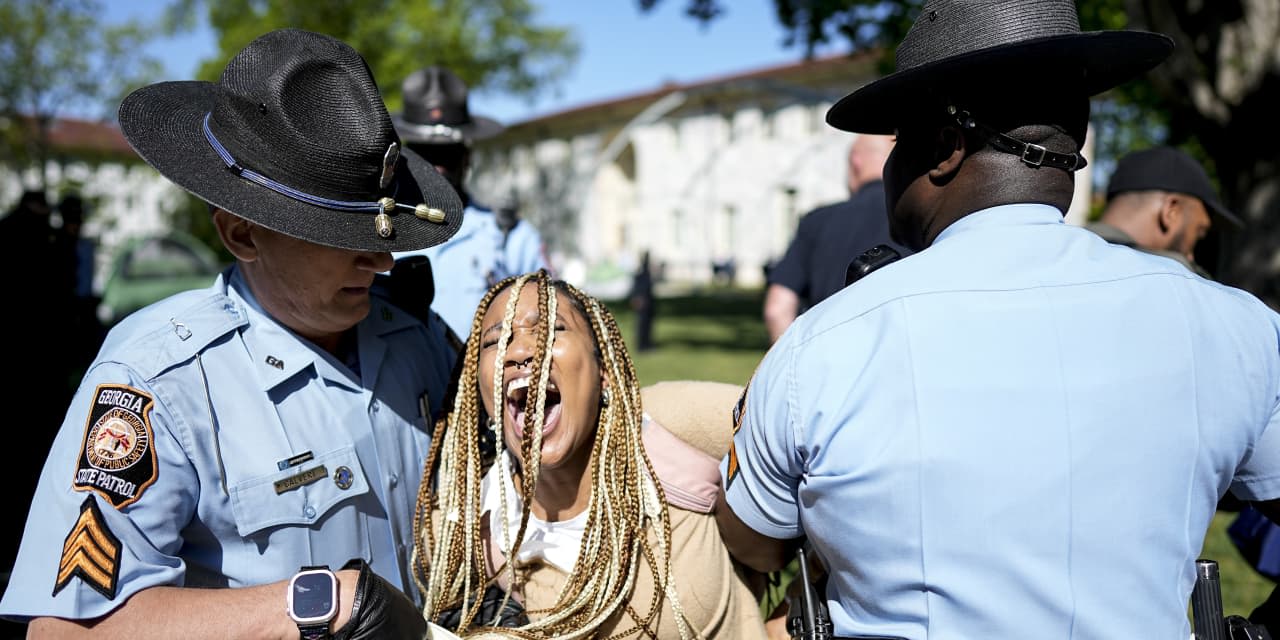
x=443, y=131
x=382, y=206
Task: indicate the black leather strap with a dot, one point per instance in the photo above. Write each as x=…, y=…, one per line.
x=317, y=631
x=1032, y=154
x=1035, y=155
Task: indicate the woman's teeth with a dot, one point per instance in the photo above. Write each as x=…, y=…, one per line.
x=523, y=383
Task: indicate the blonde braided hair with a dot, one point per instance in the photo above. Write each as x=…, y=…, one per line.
x=626, y=506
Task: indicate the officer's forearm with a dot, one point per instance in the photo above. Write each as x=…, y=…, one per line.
x=176, y=612
x=755, y=550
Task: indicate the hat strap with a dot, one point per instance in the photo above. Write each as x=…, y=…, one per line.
x=382, y=206
x=1033, y=155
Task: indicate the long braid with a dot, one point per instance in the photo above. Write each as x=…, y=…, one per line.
x=626, y=504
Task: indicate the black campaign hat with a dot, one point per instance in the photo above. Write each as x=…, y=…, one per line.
x=957, y=42
x=295, y=137
x=436, y=110
x=1167, y=169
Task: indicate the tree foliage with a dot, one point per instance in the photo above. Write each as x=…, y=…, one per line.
x=59, y=57
x=1215, y=97
x=494, y=44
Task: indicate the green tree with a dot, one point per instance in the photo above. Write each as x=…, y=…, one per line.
x=494, y=44
x=57, y=57
x=1215, y=97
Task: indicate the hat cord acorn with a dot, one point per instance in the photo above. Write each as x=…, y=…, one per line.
x=382, y=206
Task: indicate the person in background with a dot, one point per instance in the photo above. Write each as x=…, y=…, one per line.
x=76, y=255
x=643, y=302
x=829, y=237
x=1022, y=430
x=437, y=123
x=1160, y=200
x=26, y=243
x=242, y=460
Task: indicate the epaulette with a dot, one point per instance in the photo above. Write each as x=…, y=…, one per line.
x=174, y=331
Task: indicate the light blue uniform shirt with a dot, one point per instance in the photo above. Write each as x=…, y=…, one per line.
x=1021, y=432
x=473, y=260
x=213, y=514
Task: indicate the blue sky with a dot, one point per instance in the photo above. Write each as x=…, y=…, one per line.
x=623, y=50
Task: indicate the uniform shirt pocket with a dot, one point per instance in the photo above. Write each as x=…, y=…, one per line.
x=299, y=495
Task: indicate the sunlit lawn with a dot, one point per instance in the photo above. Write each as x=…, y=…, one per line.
x=717, y=334
x=712, y=334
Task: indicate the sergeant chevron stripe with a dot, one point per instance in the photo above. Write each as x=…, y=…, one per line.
x=90, y=552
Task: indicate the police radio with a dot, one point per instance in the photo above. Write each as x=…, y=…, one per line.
x=1208, y=621
x=870, y=260
x=807, y=617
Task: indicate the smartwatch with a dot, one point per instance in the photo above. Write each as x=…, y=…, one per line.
x=313, y=601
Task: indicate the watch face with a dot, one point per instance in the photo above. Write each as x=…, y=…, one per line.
x=312, y=596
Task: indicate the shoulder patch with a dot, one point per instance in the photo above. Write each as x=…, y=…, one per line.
x=739, y=412
x=117, y=455
x=91, y=552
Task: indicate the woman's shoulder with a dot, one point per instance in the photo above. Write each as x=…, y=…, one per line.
x=687, y=431
x=698, y=412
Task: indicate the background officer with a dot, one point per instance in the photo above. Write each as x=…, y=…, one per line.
x=1161, y=200
x=231, y=436
x=437, y=123
x=1024, y=430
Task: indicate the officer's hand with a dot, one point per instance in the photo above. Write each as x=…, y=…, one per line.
x=379, y=610
x=495, y=605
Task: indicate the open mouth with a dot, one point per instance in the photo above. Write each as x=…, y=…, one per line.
x=517, y=397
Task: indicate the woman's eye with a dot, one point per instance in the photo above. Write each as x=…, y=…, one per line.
x=560, y=327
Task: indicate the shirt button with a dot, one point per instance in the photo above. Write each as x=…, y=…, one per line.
x=309, y=511
x=395, y=479
x=375, y=406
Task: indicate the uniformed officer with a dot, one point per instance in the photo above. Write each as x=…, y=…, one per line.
x=1022, y=431
x=438, y=124
x=225, y=438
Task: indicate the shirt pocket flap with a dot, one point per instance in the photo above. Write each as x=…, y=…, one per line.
x=299, y=495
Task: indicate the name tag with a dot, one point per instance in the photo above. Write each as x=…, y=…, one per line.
x=306, y=477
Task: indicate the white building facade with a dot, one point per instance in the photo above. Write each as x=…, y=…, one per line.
x=714, y=172
x=125, y=197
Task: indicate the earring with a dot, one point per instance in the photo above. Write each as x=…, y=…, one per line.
x=605, y=398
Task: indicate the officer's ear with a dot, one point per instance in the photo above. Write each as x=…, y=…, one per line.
x=949, y=149
x=234, y=232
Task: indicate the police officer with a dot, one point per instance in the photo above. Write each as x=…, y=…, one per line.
x=273, y=425
x=1022, y=431
x=1161, y=200
x=438, y=124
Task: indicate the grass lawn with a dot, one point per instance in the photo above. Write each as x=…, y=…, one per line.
x=717, y=334
x=711, y=334
x=1242, y=587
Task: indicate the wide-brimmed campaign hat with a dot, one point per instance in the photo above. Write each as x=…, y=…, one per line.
x=295, y=137
x=999, y=45
x=436, y=110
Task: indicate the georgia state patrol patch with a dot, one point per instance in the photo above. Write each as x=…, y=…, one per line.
x=117, y=457
x=90, y=552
